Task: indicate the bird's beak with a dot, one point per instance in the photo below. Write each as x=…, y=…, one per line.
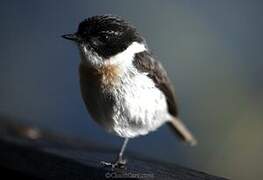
x=72, y=37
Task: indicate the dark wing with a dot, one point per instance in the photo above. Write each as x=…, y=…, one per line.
x=144, y=62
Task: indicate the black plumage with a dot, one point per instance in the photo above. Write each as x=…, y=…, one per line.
x=107, y=35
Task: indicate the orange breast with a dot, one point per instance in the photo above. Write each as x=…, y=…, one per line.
x=105, y=76
x=108, y=74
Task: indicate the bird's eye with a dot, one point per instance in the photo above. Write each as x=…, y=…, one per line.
x=106, y=37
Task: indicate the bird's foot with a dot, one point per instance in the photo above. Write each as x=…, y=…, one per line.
x=119, y=164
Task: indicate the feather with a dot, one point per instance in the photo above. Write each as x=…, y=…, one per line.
x=145, y=63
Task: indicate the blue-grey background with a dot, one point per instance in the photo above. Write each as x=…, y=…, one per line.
x=211, y=49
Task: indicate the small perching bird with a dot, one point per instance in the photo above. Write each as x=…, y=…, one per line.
x=125, y=89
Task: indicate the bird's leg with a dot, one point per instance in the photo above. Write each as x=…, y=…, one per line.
x=120, y=162
x=120, y=155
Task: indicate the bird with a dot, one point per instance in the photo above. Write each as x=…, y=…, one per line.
x=125, y=88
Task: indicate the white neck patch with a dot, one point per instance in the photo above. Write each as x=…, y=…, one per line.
x=123, y=59
x=126, y=56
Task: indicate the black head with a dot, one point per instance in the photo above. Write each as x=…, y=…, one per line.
x=107, y=34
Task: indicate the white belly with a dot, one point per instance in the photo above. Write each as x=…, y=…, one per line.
x=140, y=107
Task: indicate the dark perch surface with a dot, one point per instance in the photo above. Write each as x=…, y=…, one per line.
x=30, y=153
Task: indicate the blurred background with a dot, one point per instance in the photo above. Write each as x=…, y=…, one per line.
x=212, y=51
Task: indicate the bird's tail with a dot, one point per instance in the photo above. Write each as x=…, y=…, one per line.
x=181, y=130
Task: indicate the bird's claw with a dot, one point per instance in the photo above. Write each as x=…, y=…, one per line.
x=119, y=164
